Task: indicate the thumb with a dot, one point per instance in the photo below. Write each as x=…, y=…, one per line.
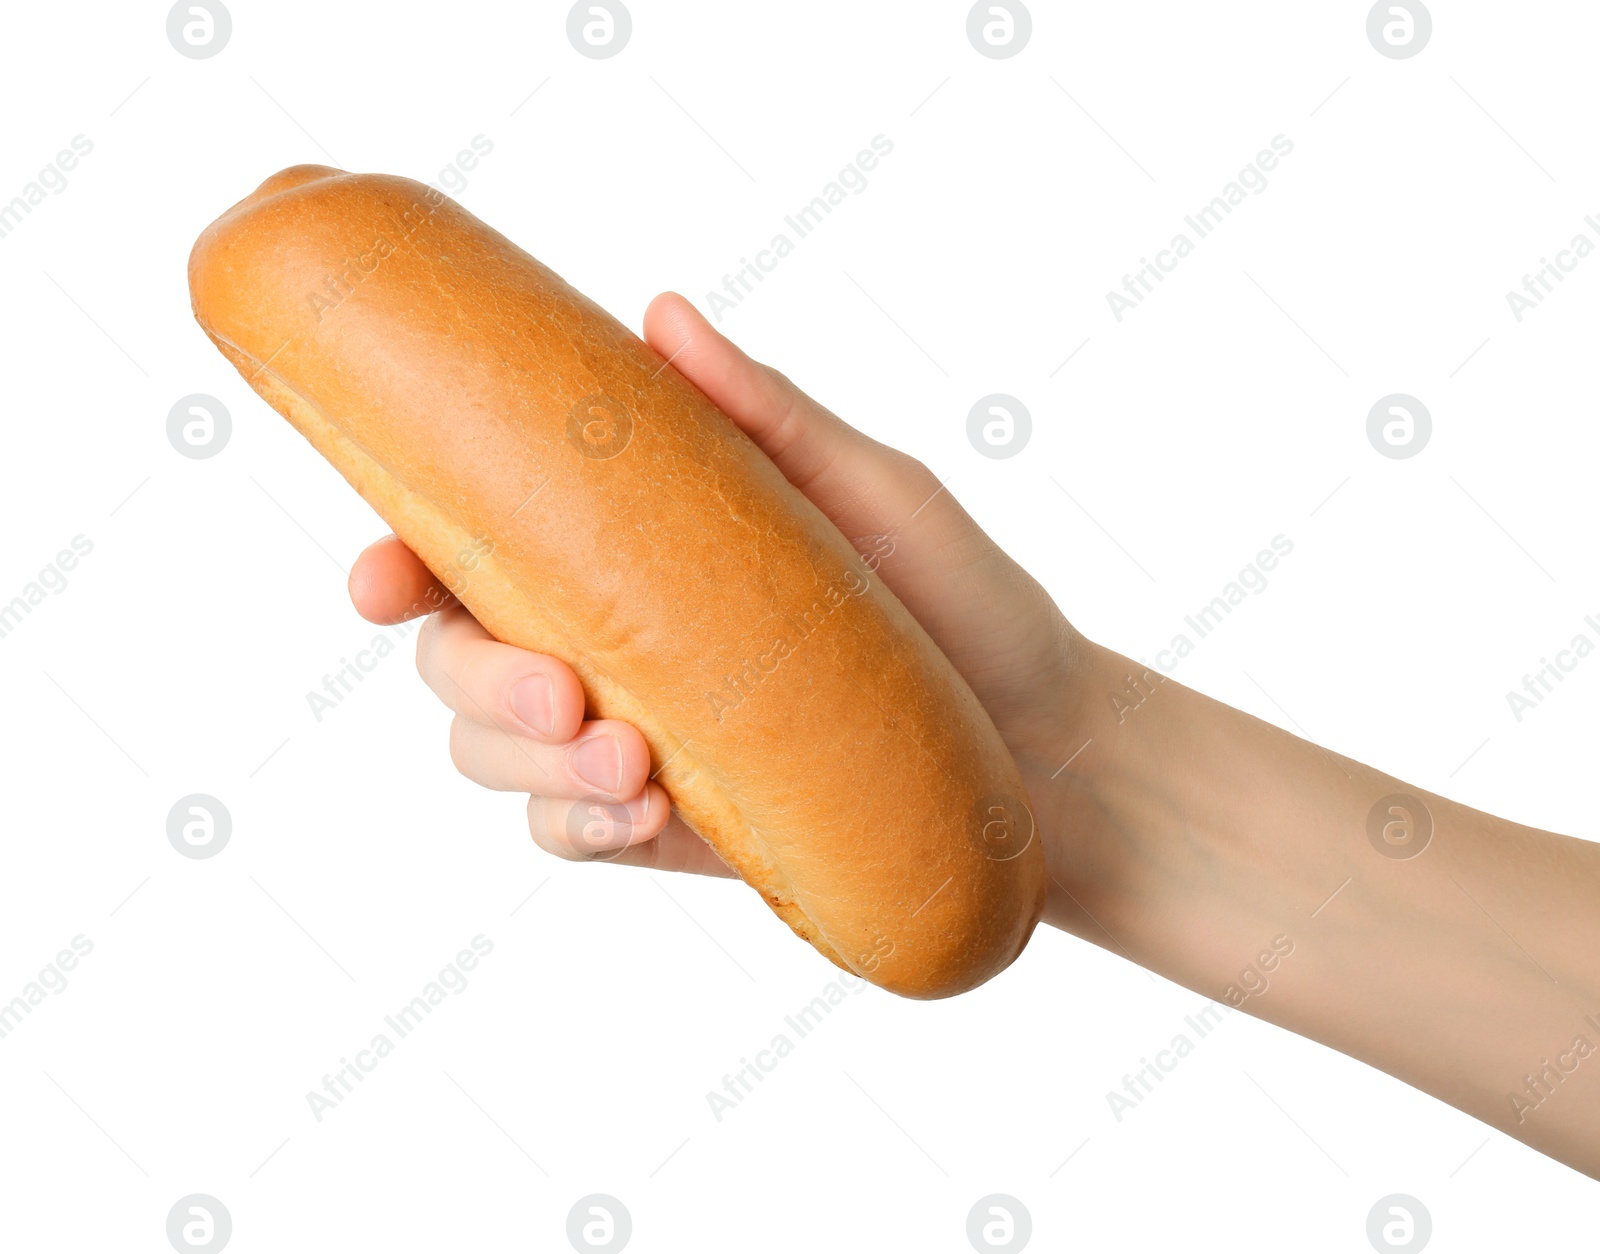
x=866, y=488
x=938, y=561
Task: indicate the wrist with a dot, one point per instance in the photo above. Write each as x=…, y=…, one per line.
x=1161, y=823
x=1081, y=787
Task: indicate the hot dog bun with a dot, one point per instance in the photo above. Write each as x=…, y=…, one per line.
x=584, y=500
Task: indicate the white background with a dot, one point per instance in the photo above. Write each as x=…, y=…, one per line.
x=178, y=657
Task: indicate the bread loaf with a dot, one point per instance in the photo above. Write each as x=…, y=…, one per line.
x=584, y=500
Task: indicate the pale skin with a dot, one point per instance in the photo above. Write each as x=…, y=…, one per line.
x=1185, y=835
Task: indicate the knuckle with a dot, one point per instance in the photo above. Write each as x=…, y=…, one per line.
x=915, y=470
x=461, y=747
x=544, y=832
x=464, y=672
x=427, y=643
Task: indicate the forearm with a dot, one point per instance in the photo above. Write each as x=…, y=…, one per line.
x=1240, y=861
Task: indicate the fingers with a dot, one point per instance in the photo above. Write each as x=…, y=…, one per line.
x=586, y=830
x=389, y=584
x=485, y=681
x=519, y=727
x=519, y=723
x=607, y=761
x=589, y=832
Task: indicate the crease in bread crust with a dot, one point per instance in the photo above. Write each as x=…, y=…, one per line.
x=426, y=526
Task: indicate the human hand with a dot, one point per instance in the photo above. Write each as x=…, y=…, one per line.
x=520, y=724
x=1186, y=837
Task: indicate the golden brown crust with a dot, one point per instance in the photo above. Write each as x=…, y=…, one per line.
x=585, y=500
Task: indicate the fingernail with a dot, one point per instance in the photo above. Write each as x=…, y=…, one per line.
x=596, y=828
x=597, y=761
x=600, y=829
x=639, y=810
x=533, y=702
